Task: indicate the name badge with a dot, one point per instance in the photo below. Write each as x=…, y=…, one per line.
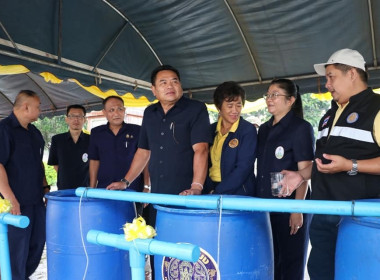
x=85, y=157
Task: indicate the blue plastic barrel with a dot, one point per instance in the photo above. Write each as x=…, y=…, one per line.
x=66, y=258
x=357, y=250
x=245, y=246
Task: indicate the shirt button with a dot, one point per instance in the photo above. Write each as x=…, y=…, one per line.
x=162, y=133
x=161, y=176
x=161, y=161
x=164, y=120
x=161, y=147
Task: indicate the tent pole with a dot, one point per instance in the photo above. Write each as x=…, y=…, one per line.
x=74, y=70
x=372, y=33
x=10, y=38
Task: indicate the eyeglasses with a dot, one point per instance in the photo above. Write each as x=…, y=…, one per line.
x=273, y=95
x=72, y=117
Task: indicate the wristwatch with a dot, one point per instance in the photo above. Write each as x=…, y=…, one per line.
x=354, y=169
x=126, y=182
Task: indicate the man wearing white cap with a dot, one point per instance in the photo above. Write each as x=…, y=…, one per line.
x=347, y=164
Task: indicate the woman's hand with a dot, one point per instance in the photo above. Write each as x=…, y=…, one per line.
x=295, y=222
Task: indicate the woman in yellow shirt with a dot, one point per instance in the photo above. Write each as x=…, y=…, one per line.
x=233, y=152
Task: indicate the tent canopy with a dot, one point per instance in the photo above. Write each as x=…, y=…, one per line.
x=115, y=44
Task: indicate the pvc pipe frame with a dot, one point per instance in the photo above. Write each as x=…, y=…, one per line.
x=137, y=261
x=139, y=247
x=5, y=220
x=225, y=202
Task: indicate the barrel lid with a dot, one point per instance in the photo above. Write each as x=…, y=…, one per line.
x=65, y=195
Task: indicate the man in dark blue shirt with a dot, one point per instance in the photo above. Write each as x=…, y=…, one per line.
x=112, y=147
x=174, y=138
x=68, y=151
x=21, y=182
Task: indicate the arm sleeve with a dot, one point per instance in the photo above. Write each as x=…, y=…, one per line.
x=5, y=146
x=143, y=137
x=53, y=157
x=200, y=126
x=303, y=143
x=92, y=148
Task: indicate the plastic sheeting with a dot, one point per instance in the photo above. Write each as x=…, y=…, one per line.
x=114, y=44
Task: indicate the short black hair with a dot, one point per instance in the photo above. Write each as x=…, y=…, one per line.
x=228, y=91
x=75, y=106
x=162, y=68
x=25, y=93
x=110, y=97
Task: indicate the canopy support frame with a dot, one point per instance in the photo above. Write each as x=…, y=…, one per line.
x=75, y=70
x=6, y=98
x=372, y=33
x=43, y=91
x=135, y=28
x=10, y=38
x=109, y=47
x=242, y=35
x=59, y=50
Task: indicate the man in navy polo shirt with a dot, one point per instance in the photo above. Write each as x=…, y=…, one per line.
x=112, y=147
x=21, y=182
x=68, y=151
x=174, y=138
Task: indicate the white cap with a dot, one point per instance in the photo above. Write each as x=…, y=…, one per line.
x=345, y=56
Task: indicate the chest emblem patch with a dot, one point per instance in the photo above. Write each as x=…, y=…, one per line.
x=353, y=117
x=85, y=157
x=233, y=143
x=325, y=121
x=279, y=153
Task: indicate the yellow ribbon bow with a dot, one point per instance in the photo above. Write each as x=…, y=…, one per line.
x=5, y=205
x=138, y=229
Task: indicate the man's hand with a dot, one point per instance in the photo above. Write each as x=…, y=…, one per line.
x=337, y=164
x=192, y=191
x=15, y=210
x=116, y=186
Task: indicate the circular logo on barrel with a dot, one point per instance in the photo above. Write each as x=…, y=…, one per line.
x=205, y=268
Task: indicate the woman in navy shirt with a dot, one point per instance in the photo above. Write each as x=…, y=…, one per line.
x=233, y=152
x=285, y=141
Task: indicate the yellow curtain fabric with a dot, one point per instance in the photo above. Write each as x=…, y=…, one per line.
x=13, y=69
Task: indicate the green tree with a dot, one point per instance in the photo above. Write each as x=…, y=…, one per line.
x=51, y=126
x=314, y=109
x=51, y=174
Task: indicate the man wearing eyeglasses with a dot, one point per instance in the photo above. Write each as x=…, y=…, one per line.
x=113, y=146
x=68, y=151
